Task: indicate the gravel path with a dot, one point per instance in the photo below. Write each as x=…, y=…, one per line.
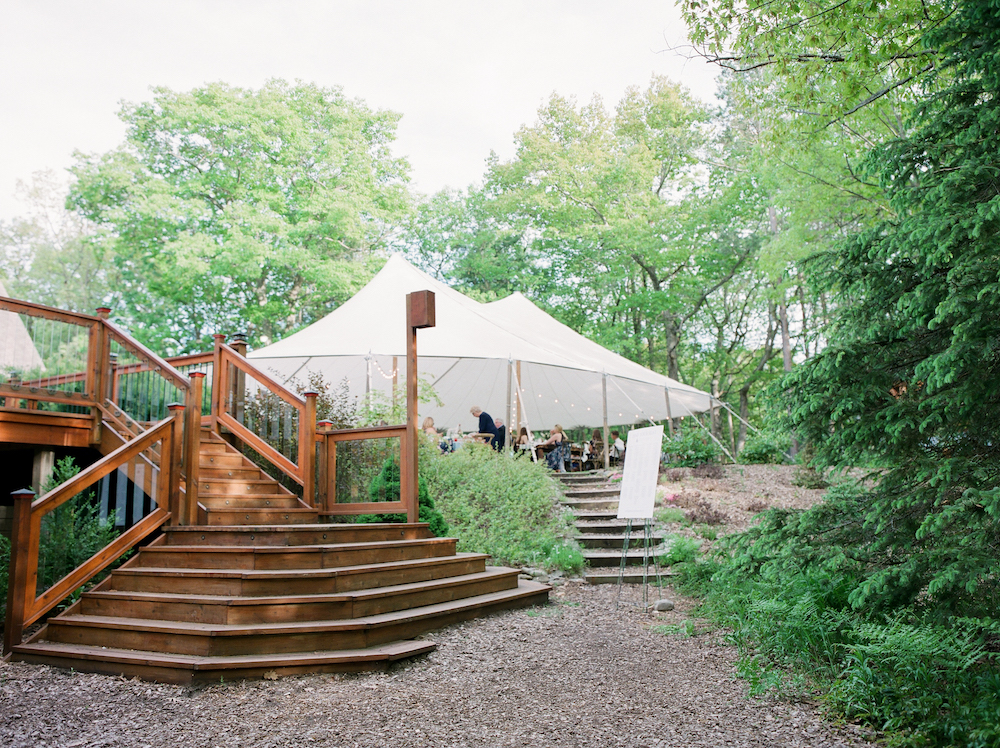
x=573, y=673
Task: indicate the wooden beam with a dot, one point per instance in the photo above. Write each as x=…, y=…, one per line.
x=18, y=426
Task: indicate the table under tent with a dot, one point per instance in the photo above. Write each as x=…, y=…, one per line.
x=509, y=357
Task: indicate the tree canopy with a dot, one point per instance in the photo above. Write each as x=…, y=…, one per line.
x=230, y=208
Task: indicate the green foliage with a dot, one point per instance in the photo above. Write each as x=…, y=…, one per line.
x=765, y=448
x=787, y=588
x=678, y=550
x=385, y=487
x=691, y=448
x=669, y=515
x=910, y=378
x=507, y=508
x=4, y=574
x=229, y=208
x=71, y=533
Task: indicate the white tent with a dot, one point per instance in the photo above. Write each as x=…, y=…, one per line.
x=17, y=349
x=476, y=355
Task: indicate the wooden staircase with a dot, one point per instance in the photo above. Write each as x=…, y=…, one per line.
x=260, y=587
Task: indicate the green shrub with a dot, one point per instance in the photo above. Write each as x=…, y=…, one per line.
x=678, y=550
x=690, y=449
x=788, y=587
x=766, y=448
x=508, y=508
x=385, y=487
x=670, y=515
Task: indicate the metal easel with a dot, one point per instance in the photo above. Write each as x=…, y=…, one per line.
x=647, y=542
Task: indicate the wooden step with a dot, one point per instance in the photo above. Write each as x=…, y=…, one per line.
x=216, y=448
x=591, y=505
x=602, y=515
x=228, y=487
x=220, y=517
x=226, y=460
x=230, y=610
x=292, y=557
x=632, y=575
x=211, y=472
x=602, y=492
x=188, y=669
x=211, y=640
x=616, y=540
x=256, y=535
x=276, y=501
x=296, y=581
x=612, y=557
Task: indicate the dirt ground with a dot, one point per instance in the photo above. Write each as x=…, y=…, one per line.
x=589, y=669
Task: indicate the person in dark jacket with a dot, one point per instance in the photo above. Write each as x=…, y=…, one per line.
x=500, y=441
x=486, y=424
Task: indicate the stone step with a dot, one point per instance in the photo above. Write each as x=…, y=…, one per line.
x=590, y=505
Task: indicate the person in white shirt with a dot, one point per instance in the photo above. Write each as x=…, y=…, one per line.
x=617, y=447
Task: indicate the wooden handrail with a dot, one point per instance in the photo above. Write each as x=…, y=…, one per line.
x=328, y=439
x=230, y=356
x=88, y=476
x=17, y=306
x=24, y=607
x=161, y=367
x=365, y=432
x=302, y=471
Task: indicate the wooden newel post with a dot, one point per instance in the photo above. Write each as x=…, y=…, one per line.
x=218, y=398
x=192, y=448
x=323, y=479
x=307, y=449
x=420, y=313
x=170, y=463
x=17, y=578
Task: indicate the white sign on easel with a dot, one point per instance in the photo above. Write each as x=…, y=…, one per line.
x=642, y=467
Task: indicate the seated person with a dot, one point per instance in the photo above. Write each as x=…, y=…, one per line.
x=617, y=447
x=556, y=459
x=593, y=450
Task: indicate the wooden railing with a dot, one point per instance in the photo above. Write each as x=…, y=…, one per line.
x=342, y=487
x=25, y=604
x=266, y=416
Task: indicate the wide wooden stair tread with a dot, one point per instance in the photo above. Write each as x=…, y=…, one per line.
x=255, y=589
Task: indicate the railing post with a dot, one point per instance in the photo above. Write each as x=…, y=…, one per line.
x=192, y=447
x=307, y=448
x=98, y=373
x=170, y=454
x=17, y=578
x=323, y=479
x=217, y=399
x=239, y=383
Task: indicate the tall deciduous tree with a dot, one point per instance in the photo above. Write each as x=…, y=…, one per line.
x=911, y=377
x=229, y=208
x=45, y=255
x=599, y=198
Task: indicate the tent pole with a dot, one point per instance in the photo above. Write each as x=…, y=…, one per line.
x=604, y=398
x=520, y=404
x=395, y=382
x=732, y=434
x=507, y=418
x=368, y=380
x=670, y=418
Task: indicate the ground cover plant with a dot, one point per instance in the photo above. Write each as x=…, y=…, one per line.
x=508, y=508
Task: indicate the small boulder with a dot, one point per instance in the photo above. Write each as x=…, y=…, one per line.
x=662, y=606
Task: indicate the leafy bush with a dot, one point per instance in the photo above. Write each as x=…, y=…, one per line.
x=385, y=487
x=507, y=508
x=765, y=448
x=690, y=449
x=793, y=590
x=670, y=515
x=678, y=550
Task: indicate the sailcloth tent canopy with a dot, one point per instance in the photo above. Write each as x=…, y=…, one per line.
x=473, y=355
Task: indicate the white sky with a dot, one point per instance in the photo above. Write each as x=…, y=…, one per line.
x=464, y=74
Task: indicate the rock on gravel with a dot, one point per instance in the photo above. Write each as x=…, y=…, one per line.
x=576, y=672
